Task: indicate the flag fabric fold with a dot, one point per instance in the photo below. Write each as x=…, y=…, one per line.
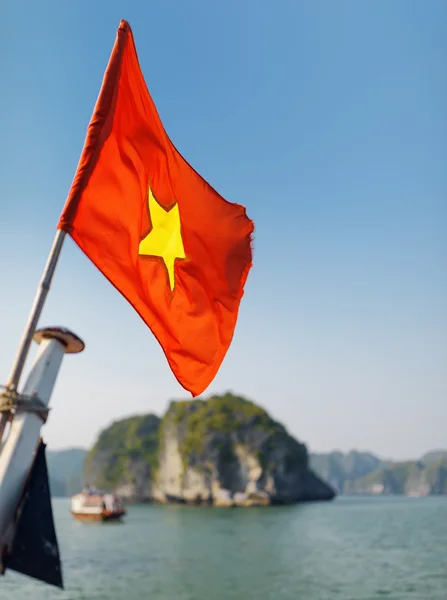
x=170, y=244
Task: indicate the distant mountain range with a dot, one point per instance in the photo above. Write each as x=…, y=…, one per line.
x=65, y=468
x=348, y=473
x=341, y=470
x=365, y=473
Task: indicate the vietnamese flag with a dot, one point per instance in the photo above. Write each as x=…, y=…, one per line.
x=174, y=248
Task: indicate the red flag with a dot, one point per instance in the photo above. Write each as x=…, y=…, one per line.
x=176, y=250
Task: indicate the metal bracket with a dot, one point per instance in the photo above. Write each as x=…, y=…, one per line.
x=12, y=401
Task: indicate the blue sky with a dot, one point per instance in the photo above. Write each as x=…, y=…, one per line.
x=328, y=121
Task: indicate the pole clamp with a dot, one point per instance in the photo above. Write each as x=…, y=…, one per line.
x=13, y=402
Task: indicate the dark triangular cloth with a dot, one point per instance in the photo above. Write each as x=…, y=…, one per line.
x=35, y=551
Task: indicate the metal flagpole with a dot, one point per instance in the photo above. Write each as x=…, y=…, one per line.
x=36, y=311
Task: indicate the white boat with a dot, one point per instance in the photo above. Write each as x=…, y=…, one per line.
x=94, y=505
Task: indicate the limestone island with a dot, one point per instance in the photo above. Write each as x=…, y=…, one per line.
x=223, y=451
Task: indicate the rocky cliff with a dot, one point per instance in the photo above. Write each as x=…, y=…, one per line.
x=223, y=451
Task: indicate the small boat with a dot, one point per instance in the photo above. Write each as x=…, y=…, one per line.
x=93, y=505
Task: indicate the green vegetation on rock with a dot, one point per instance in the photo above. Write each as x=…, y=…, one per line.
x=121, y=445
x=435, y=456
x=200, y=420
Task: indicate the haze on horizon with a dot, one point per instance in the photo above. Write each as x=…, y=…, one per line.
x=328, y=122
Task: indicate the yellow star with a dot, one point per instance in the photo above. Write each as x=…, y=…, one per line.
x=165, y=238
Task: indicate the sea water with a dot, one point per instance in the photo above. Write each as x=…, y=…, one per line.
x=349, y=549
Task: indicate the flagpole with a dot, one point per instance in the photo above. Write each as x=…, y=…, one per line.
x=36, y=311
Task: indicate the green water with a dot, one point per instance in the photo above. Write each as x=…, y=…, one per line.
x=350, y=549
